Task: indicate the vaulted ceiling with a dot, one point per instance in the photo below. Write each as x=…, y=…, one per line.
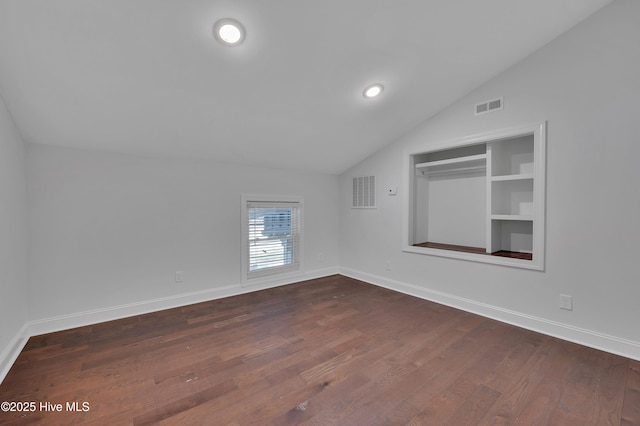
x=148, y=77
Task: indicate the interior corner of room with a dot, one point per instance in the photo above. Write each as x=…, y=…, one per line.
x=524, y=211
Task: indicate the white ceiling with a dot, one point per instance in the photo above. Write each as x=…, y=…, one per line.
x=147, y=76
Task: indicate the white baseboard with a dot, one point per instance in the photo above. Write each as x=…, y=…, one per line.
x=95, y=316
x=11, y=352
x=593, y=339
x=608, y=343
x=81, y=319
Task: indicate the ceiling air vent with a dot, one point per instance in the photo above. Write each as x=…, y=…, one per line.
x=489, y=106
x=364, y=192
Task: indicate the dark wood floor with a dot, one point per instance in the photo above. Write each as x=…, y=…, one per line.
x=476, y=250
x=327, y=351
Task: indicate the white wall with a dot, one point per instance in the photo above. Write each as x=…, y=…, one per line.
x=110, y=230
x=586, y=85
x=13, y=239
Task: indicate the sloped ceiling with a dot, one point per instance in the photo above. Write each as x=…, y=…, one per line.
x=147, y=76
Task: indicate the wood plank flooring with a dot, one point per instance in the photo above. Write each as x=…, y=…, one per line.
x=332, y=351
x=475, y=250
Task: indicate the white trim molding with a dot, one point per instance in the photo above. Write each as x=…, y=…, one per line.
x=9, y=355
x=81, y=319
x=538, y=132
x=95, y=316
x=289, y=272
x=581, y=336
x=590, y=338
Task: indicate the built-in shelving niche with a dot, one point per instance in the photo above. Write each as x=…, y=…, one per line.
x=479, y=198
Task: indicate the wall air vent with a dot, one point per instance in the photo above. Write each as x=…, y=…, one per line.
x=364, y=192
x=489, y=106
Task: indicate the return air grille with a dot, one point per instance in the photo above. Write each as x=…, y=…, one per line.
x=364, y=192
x=489, y=106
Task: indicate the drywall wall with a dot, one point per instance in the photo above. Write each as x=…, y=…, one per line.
x=585, y=84
x=13, y=240
x=110, y=230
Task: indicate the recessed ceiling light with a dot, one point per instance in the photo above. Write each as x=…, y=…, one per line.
x=373, y=90
x=229, y=32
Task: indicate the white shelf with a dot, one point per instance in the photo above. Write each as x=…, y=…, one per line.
x=466, y=164
x=482, y=191
x=523, y=176
x=452, y=161
x=523, y=217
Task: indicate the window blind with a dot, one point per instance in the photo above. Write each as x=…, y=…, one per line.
x=273, y=238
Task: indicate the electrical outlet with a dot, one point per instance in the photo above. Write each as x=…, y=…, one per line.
x=387, y=265
x=566, y=302
x=179, y=276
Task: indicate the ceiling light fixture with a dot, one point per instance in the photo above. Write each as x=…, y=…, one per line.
x=372, y=90
x=229, y=32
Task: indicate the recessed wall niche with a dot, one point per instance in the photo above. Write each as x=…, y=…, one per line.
x=479, y=198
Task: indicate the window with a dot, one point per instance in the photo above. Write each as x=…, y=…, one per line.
x=271, y=237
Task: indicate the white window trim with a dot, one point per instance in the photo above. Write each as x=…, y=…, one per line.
x=244, y=243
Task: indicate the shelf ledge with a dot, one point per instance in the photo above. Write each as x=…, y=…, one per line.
x=452, y=161
x=475, y=250
x=454, y=166
x=523, y=176
x=522, y=217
